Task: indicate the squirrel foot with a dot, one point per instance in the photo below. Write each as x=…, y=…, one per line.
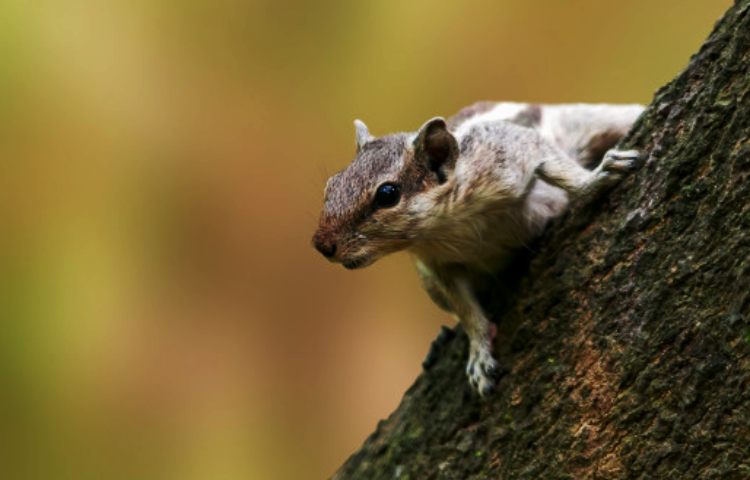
x=481, y=369
x=621, y=162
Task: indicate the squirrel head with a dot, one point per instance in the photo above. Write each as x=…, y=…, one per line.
x=384, y=200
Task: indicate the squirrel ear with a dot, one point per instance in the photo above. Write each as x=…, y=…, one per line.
x=362, y=133
x=436, y=147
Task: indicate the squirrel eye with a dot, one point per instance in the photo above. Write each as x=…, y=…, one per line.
x=387, y=195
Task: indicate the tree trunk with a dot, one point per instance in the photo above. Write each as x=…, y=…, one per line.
x=626, y=338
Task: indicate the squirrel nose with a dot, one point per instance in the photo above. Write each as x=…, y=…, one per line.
x=327, y=249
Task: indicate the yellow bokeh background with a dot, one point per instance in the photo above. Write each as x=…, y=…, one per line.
x=162, y=164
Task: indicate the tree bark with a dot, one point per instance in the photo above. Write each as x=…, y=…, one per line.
x=625, y=338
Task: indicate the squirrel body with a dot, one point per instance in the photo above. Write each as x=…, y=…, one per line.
x=464, y=194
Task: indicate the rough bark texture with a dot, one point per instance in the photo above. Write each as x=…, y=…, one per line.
x=626, y=339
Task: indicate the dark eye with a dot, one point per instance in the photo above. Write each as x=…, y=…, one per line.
x=387, y=195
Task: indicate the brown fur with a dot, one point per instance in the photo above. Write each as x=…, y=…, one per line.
x=530, y=117
x=468, y=112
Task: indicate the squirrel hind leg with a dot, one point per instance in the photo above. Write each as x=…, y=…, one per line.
x=564, y=173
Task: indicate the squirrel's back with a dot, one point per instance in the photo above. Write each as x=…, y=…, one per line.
x=583, y=131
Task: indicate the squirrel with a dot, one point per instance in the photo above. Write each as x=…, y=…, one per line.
x=464, y=194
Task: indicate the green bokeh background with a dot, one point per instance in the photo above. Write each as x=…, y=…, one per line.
x=161, y=170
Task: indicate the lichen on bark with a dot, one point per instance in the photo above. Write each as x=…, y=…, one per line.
x=625, y=339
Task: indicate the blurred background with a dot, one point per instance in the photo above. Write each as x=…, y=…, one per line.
x=161, y=172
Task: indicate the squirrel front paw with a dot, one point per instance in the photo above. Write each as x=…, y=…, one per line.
x=482, y=370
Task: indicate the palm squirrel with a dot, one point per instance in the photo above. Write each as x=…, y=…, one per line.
x=463, y=194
